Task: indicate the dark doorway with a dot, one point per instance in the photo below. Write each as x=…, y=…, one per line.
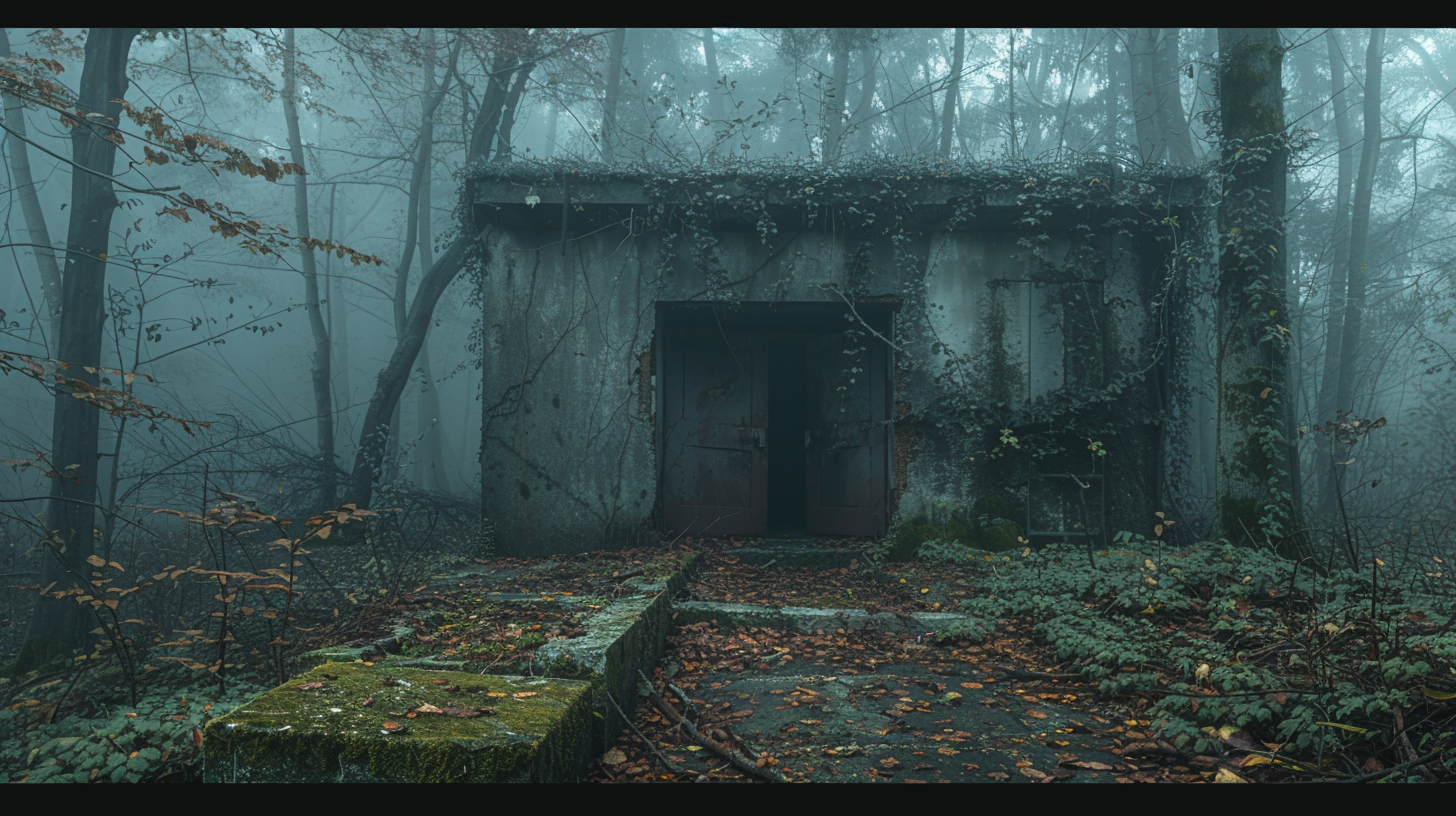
x=774, y=418
x=788, y=412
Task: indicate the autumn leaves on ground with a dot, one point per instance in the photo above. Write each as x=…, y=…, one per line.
x=1216, y=664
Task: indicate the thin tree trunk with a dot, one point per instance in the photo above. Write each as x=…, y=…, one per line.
x=1328, y=403
x=865, y=110
x=1142, y=43
x=428, y=458
x=1358, y=275
x=395, y=377
x=322, y=380
x=1013, y=141
x=508, y=113
x=24, y=185
x=608, y=143
x=835, y=99
x=57, y=625
x=1171, y=118
x=1206, y=146
x=952, y=93
x=717, y=108
x=1112, y=97
x=1256, y=450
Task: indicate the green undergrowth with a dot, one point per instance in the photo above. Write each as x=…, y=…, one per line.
x=984, y=525
x=105, y=738
x=1217, y=640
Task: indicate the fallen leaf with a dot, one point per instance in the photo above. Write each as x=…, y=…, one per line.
x=426, y=708
x=1226, y=776
x=314, y=686
x=521, y=695
x=614, y=757
x=392, y=727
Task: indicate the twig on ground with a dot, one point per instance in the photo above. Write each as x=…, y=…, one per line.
x=1404, y=766
x=688, y=707
x=742, y=763
x=645, y=741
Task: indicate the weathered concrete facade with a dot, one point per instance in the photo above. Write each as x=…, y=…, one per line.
x=993, y=314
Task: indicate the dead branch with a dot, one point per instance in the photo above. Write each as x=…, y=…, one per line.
x=645, y=741
x=738, y=760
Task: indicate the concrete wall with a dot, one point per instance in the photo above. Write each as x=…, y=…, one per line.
x=568, y=406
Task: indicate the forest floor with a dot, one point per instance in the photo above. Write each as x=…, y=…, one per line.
x=1062, y=667
x=844, y=705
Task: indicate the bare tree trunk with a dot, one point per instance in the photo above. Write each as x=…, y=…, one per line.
x=1112, y=99
x=834, y=97
x=952, y=94
x=1141, y=45
x=395, y=376
x=717, y=108
x=1339, y=265
x=323, y=398
x=1203, y=101
x=1256, y=451
x=428, y=458
x=1013, y=144
x=865, y=110
x=508, y=113
x=609, y=138
x=1171, y=118
x=24, y=185
x=57, y=625
x=1358, y=275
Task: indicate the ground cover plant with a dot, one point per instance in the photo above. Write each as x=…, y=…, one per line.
x=1215, y=663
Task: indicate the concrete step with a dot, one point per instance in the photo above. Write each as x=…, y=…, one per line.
x=811, y=619
x=803, y=552
x=347, y=722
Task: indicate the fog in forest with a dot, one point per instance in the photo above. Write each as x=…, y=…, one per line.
x=286, y=201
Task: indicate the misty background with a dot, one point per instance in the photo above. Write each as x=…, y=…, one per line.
x=216, y=329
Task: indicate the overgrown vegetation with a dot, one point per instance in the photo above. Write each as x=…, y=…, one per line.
x=1315, y=671
x=216, y=609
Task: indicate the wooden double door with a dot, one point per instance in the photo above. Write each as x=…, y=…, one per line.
x=739, y=408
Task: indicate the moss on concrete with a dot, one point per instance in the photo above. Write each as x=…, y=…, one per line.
x=329, y=734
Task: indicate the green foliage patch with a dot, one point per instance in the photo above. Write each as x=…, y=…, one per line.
x=1217, y=640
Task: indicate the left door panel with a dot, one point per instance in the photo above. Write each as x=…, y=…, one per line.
x=715, y=412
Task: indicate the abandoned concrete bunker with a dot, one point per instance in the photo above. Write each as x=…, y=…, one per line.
x=785, y=350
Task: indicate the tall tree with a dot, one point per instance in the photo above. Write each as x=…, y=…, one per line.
x=1327, y=402
x=835, y=96
x=1256, y=461
x=39, y=235
x=609, y=134
x=1358, y=274
x=1157, y=106
x=717, y=102
x=511, y=58
x=58, y=626
x=952, y=93
x=323, y=397
x=429, y=459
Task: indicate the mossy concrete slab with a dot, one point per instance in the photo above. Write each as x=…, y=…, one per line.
x=623, y=638
x=813, y=619
x=523, y=729
x=808, y=554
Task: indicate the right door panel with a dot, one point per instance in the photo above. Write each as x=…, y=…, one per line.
x=847, y=444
